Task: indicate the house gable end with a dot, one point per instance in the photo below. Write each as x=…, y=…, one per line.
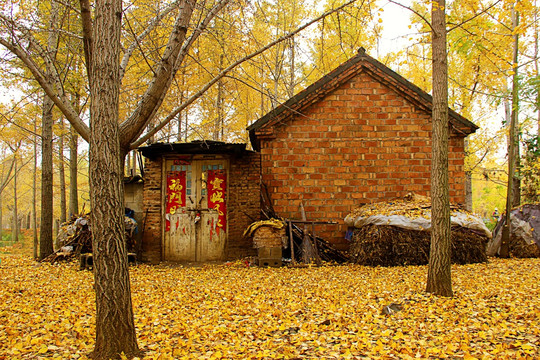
x=314, y=93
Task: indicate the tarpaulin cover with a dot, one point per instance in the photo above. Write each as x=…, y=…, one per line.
x=525, y=225
x=411, y=213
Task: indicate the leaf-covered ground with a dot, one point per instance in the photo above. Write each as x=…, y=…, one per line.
x=234, y=312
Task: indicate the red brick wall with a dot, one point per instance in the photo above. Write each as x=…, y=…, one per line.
x=244, y=203
x=362, y=143
x=243, y=206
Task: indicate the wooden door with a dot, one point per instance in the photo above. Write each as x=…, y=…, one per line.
x=196, y=210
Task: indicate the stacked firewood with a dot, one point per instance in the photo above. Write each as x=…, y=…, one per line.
x=75, y=238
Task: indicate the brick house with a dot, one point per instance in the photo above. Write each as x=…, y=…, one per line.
x=360, y=134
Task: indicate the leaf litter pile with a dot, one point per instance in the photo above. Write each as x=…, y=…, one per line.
x=234, y=312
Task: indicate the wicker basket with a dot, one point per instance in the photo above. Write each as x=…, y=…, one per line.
x=269, y=237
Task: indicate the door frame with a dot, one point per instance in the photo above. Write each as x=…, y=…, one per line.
x=193, y=158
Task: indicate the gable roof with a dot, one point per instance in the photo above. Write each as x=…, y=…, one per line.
x=342, y=74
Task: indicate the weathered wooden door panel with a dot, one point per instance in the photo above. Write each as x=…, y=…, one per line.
x=213, y=229
x=182, y=232
x=196, y=213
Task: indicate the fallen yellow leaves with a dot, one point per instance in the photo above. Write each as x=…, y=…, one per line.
x=233, y=312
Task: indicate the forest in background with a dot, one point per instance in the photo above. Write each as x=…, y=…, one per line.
x=480, y=78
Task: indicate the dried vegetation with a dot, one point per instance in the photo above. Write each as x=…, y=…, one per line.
x=234, y=312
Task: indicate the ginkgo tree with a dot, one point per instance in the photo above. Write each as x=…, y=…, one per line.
x=109, y=43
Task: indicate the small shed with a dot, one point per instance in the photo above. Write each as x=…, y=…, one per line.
x=198, y=198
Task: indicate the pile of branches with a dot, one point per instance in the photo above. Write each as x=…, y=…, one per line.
x=306, y=247
x=379, y=245
x=325, y=250
x=75, y=238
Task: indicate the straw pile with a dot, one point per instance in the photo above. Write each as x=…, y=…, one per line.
x=397, y=233
x=376, y=245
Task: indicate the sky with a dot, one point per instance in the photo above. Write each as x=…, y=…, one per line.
x=396, y=21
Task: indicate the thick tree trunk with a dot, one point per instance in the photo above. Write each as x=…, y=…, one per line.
x=46, y=229
x=439, y=281
x=115, y=328
x=73, y=193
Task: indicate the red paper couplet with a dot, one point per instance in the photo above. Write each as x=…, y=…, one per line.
x=217, y=191
x=176, y=194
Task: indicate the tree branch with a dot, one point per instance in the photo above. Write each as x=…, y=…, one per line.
x=59, y=100
x=136, y=42
x=475, y=16
x=413, y=11
x=199, y=93
x=151, y=101
x=87, y=30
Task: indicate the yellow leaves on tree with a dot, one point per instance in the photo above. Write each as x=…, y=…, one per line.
x=233, y=312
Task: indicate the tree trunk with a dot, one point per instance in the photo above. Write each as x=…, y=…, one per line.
x=1, y=215
x=62, y=174
x=468, y=183
x=34, y=198
x=511, y=198
x=15, y=228
x=46, y=229
x=115, y=328
x=220, y=123
x=516, y=192
x=439, y=281
x=73, y=193
x=134, y=163
x=292, y=78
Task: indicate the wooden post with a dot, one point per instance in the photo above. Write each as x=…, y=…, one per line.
x=291, y=241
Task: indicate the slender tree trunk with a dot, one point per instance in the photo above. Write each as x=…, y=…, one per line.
x=537, y=69
x=62, y=174
x=181, y=100
x=468, y=184
x=73, y=168
x=15, y=229
x=127, y=166
x=134, y=162
x=34, y=197
x=516, y=192
x=115, y=328
x=439, y=281
x=218, y=134
x=511, y=197
x=292, y=79
x=1, y=217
